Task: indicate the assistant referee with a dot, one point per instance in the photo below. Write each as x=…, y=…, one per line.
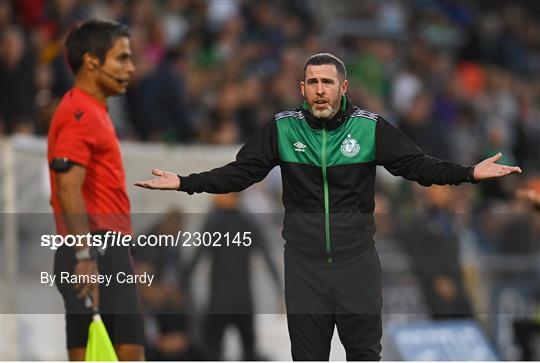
x=89, y=190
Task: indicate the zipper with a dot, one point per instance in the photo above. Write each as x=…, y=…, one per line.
x=326, y=199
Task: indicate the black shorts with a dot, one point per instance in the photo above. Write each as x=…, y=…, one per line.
x=119, y=305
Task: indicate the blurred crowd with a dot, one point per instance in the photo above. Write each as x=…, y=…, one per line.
x=460, y=78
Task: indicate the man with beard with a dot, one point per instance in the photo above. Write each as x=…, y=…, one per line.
x=328, y=150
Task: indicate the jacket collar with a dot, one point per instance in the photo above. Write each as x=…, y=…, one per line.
x=329, y=124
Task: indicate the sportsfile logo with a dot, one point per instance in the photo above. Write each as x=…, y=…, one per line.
x=298, y=146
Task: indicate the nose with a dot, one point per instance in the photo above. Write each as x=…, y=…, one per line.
x=320, y=88
x=131, y=68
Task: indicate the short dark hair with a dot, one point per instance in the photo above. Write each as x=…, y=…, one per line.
x=92, y=36
x=326, y=58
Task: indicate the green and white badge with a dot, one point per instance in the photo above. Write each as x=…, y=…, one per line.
x=350, y=147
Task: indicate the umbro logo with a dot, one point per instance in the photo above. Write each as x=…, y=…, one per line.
x=298, y=146
x=78, y=115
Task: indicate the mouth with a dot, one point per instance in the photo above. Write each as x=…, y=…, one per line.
x=321, y=102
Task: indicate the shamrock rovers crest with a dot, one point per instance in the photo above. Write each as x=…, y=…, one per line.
x=350, y=147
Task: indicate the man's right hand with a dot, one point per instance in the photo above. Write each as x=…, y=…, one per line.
x=88, y=267
x=166, y=181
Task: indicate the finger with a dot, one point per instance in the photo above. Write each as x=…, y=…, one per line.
x=157, y=172
x=512, y=169
x=141, y=184
x=95, y=296
x=145, y=184
x=84, y=291
x=496, y=157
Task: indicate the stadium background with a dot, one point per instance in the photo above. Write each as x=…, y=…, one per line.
x=459, y=78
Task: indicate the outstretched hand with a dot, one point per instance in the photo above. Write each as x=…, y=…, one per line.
x=488, y=169
x=166, y=181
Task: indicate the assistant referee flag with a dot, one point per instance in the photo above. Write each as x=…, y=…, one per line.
x=99, y=347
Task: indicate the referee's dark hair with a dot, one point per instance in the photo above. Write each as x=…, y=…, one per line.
x=92, y=36
x=326, y=58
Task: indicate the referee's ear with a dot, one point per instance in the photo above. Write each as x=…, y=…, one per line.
x=90, y=62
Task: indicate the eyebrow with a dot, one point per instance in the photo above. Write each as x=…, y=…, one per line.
x=124, y=55
x=324, y=80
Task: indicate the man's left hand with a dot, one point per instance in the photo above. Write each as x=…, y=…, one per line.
x=488, y=169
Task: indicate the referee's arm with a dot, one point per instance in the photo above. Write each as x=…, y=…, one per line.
x=69, y=191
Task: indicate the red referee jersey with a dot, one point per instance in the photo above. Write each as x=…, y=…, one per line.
x=82, y=131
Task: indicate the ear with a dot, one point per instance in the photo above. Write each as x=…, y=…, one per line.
x=90, y=61
x=303, y=88
x=344, y=87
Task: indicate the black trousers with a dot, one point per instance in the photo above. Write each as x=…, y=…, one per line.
x=320, y=296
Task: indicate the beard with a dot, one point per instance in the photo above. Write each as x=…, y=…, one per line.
x=327, y=112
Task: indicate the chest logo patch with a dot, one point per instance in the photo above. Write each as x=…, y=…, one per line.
x=298, y=146
x=78, y=115
x=350, y=147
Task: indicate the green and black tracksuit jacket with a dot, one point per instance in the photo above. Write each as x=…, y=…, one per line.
x=328, y=175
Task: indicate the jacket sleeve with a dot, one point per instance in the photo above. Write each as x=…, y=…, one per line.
x=401, y=157
x=253, y=162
